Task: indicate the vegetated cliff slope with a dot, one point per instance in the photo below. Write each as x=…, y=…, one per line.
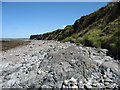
x=98, y=29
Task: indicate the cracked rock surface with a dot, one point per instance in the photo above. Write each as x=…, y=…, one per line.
x=51, y=64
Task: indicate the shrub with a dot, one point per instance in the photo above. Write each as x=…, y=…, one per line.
x=69, y=39
x=79, y=40
x=93, y=39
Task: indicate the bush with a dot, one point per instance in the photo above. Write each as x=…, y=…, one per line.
x=79, y=40
x=93, y=39
x=69, y=39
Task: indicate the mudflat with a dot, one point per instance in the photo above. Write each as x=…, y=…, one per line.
x=6, y=44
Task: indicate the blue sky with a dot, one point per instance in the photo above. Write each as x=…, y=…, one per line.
x=22, y=19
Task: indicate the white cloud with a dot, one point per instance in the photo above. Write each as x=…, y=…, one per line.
x=64, y=26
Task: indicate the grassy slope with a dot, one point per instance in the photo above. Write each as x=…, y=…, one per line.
x=98, y=29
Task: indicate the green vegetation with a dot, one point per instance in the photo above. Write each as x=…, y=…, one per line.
x=98, y=29
x=93, y=38
x=69, y=39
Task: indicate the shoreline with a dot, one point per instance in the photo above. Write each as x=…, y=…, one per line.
x=6, y=44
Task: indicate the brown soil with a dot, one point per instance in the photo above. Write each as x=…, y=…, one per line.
x=6, y=44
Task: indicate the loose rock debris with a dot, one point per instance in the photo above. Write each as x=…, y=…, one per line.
x=51, y=64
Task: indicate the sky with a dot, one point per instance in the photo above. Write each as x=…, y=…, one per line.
x=59, y=0
x=22, y=19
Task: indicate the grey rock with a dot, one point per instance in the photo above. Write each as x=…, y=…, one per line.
x=46, y=86
x=65, y=82
x=108, y=80
x=106, y=83
x=87, y=86
x=59, y=84
x=47, y=64
x=73, y=80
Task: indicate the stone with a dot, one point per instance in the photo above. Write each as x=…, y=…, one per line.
x=61, y=63
x=89, y=83
x=101, y=80
x=46, y=86
x=108, y=80
x=114, y=75
x=73, y=80
x=31, y=47
x=80, y=82
x=48, y=67
x=85, y=81
x=40, y=71
x=114, y=85
x=106, y=83
x=104, y=76
x=94, y=84
x=17, y=55
x=81, y=85
x=59, y=84
x=87, y=86
x=75, y=86
x=65, y=82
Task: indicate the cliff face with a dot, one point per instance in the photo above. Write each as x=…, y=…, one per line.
x=98, y=29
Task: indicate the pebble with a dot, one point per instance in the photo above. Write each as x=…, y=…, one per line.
x=40, y=71
x=65, y=82
x=108, y=80
x=75, y=86
x=85, y=81
x=73, y=80
x=61, y=63
x=87, y=86
x=94, y=84
x=104, y=76
x=106, y=83
x=47, y=67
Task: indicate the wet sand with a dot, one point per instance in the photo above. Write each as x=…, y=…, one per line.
x=6, y=44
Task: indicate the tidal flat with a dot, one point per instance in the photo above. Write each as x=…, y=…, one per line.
x=6, y=44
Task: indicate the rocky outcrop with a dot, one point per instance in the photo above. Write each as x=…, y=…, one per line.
x=51, y=64
x=98, y=29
